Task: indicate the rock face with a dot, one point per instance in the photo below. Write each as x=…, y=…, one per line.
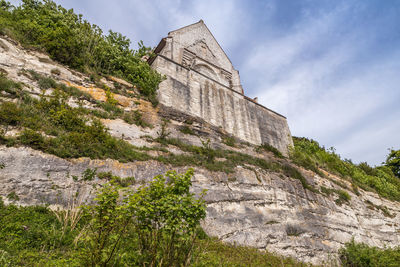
x=202, y=82
x=248, y=207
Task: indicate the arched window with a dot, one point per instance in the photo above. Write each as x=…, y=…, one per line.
x=207, y=71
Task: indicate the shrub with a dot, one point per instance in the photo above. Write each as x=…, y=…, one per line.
x=162, y=219
x=135, y=117
x=361, y=255
x=67, y=118
x=55, y=71
x=10, y=114
x=166, y=217
x=13, y=196
x=33, y=139
x=163, y=133
x=123, y=182
x=9, y=86
x=343, y=196
x=89, y=174
x=229, y=141
x=206, y=150
x=310, y=155
x=268, y=147
x=110, y=97
x=186, y=130
x=393, y=162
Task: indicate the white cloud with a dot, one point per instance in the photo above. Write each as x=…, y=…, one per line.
x=314, y=76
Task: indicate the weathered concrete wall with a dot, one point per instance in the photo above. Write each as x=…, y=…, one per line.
x=202, y=82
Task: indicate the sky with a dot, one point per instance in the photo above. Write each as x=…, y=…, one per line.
x=331, y=67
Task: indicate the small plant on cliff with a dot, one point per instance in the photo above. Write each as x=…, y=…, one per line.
x=207, y=151
x=186, y=130
x=268, y=147
x=110, y=96
x=135, y=117
x=229, y=141
x=343, y=197
x=8, y=86
x=13, y=196
x=163, y=133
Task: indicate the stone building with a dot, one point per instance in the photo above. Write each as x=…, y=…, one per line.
x=202, y=82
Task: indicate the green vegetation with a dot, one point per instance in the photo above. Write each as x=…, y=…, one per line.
x=211, y=252
x=205, y=156
x=268, y=147
x=382, y=208
x=9, y=87
x=310, y=155
x=229, y=141
x=393, y=162
x=124, y=182
x=155, y=225
x=54, y=127
x=186, y=130
x=135, y=117
x=73, y=41
x=361, y=255
x=343, y=196
x=13, y=196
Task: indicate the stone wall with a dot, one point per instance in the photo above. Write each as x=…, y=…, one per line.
x=193, y=93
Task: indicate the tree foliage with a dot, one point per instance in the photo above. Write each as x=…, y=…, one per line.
x=157, y=223
x=393, y=162
x=71, y=40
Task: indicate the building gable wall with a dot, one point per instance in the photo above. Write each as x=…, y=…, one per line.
x=208, y=87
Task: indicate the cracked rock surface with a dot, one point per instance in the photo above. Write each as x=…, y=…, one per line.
x=269, y=212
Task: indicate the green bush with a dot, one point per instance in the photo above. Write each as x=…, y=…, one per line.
x=268, y=147
x=310, y=155
x=9, y=86
x=186, y=130
x=72, y=133
x=10, y=114
x=343, y=196
x=135, y=117
x=155, y=225
x=229, y=141
x=393, y=162
x=361, y=255
x=33, y=139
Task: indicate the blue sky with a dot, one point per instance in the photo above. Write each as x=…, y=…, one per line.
x=331, y=67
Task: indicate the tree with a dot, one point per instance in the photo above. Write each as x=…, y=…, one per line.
x=393, y=162
x=154, y=225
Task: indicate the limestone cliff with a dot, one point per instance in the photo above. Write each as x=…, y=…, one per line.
x=250, y=205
